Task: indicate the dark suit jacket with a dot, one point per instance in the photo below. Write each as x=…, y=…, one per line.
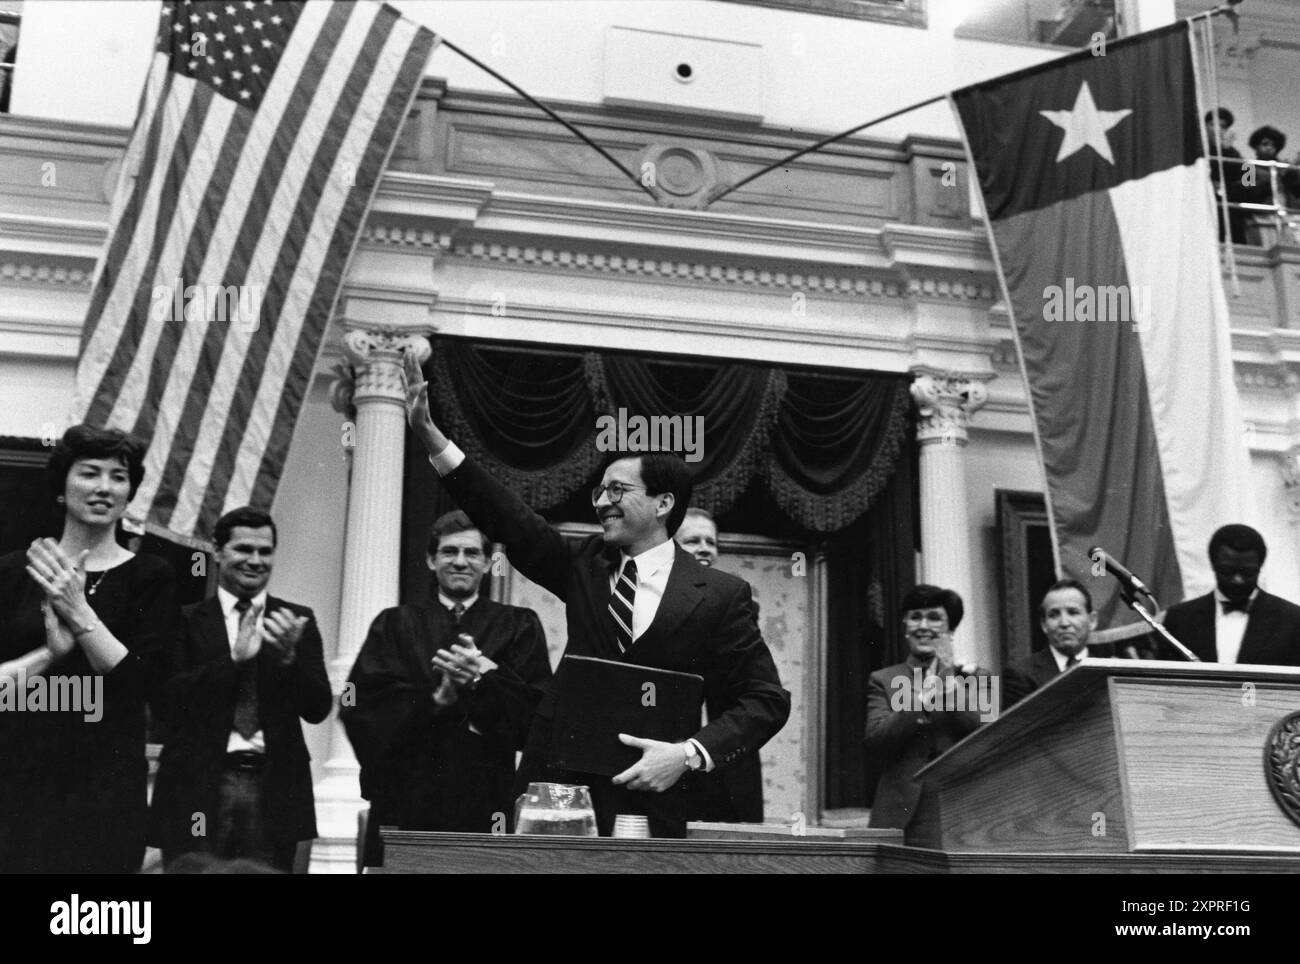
x=424, y=767
x=904, y=740
x=705, y=624
x=1026, y=675
x=197, y=708
x=1272, y=631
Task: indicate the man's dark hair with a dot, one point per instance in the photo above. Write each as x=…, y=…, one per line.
x=245, y=516
x=662, y=472
x=1239, y=537
x=927, y=597
x=1068, y=584
x=89, y=442
x=1225, y=115
x=449, y=523
x=1272, y=133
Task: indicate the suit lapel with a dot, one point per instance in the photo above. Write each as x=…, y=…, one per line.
x=210, y=627
x=682, y=594
x=597, y=629
x=1261, y=629
x=1045, y=666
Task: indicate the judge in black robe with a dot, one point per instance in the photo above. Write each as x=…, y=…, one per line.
x=429, y=766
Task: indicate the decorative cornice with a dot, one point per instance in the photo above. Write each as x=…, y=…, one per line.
x=52, y=274
x=676, y=269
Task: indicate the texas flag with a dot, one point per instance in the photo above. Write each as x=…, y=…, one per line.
x=1098, y=201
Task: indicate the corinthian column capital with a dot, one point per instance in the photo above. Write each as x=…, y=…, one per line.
x=945, y=403
x=376, y=354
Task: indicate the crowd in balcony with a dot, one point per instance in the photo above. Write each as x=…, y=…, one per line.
x=1261, y=192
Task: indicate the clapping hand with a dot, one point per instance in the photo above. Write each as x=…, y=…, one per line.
x=281, y=631
x=61, y=578
x=58, y=637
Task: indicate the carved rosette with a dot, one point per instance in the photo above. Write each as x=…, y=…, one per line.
x=944, y=404
x=376, y=356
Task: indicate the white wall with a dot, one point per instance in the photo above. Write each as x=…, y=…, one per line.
x=310, y=513
x=819, y=73
x=83, y=60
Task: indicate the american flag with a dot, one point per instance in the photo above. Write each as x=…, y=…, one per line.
x=262, y=133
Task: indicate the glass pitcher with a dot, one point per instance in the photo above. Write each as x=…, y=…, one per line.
x=555, y=809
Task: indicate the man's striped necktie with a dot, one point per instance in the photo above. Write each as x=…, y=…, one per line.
x=620, y=605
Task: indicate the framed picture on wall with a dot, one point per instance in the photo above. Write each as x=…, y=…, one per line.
x=1027, y=568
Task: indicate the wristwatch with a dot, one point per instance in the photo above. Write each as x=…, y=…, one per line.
x=693, y=759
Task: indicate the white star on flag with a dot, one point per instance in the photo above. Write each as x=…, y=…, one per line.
x=1085, y=126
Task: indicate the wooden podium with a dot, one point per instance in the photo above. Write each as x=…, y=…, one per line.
x=1117, y=757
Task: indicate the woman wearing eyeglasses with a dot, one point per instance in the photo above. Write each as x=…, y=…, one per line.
x=920, y=707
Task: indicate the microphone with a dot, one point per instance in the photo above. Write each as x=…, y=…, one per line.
x=1116, y=568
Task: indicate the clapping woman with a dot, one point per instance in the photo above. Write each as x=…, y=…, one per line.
x=86, y=628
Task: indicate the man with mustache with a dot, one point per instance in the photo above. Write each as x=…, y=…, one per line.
x=1068, y=620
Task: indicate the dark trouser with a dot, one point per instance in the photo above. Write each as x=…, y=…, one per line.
x=242, y=830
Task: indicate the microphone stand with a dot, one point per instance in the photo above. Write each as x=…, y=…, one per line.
x=1129, y=595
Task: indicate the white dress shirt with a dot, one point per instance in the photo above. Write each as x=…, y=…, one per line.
x=653, y=567
x=1061, y=658
x=1229, y=629
x=257, y=742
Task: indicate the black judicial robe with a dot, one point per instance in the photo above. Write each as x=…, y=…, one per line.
x=424, y=767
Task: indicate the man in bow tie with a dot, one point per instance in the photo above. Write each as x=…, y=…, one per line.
x=1238, y=622
x=442, y=695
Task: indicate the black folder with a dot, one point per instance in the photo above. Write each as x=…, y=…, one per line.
x=597, y=699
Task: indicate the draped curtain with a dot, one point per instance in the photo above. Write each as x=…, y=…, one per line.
x=824, y=444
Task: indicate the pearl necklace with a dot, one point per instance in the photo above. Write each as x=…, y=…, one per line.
x=95, y=585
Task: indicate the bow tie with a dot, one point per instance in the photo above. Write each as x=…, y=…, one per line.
x=1229, y=606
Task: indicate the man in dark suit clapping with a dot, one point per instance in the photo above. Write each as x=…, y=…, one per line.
x=630, y=594
x=1238, y=622
x=235, y=778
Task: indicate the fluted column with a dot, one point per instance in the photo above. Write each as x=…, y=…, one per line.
x=372, y=552
x=944, y=404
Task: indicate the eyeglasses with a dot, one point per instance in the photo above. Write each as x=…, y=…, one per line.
x=915, y=618
x=614, y=490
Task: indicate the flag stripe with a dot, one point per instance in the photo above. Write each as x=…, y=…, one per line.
x=246, y=412
x=245, y=142
x=290, y=136
x=202, y=191
x=1088, y=382
x=131, y=295
x=127, y=202
x=325, y=293
x=111, y=346
x=264, y=159
x=1190, y=383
